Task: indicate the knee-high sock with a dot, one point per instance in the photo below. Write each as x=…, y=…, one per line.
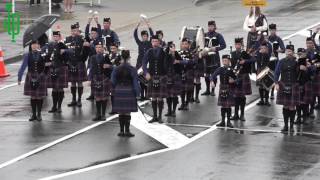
x=183, y=97
x=299, y=109
x=80, y=92
x=243, y=105
x=207, y=80
x=74, y=93
x=169, y=103
x=55, y=97
x=33, y=106
x=198, y=88
x=154, y=108
x=39, y=106
x=98, y=108
x=175, y=102
x=237, y=106
x=60, y=99
x=127, y=123
x=292, y=116
x=189, y=96
x=160, y=106
x=103, y=107
x=285, y=113
x=122, y=119
x=223, y=114
x=266, y=95
x=261, y=92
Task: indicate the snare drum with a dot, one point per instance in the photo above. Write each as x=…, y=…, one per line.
x=266, y=78
x=195, y=35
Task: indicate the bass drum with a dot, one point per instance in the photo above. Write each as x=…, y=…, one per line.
x=195, y=35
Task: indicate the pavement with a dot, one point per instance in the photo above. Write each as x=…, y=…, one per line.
x=190, y=146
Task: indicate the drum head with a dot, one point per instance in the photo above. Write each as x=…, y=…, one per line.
x=195, y=35
x=263, y=73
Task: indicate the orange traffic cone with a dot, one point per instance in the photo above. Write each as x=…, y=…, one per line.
x=3, y=71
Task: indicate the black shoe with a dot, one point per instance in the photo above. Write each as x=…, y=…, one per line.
x=272, y=97
x=39, y=118
x=285, y=129
x=168, y=114
x=242, y=118
x=53, y=110
x=206, y=93
x=197, y=100
x=221, y=124
x=79, y=104
x=181, y=107
x=59, y=110
x=97, y=118
x=260, y=103
x=112, y=113
x=229, y=124
x=129, y=134
x=160, y=121
x=173, y=114
x=121, y=134
x=153, y=120
x=235, y=117
x=90, y=98
x=212, y=93
x=103, y=118
x=32, y=118
x=267, y=104
x=298, y=120
x=192, y=100
x=72, y=104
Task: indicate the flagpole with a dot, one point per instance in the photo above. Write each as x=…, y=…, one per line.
x=50, y=11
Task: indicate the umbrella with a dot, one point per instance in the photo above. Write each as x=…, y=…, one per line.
x=38, y=28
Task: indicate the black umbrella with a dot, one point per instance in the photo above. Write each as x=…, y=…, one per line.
x=38, y=28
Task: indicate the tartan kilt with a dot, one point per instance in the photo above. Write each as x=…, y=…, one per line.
x=158, y=92
x=306, y=93
x=175, y=88
x=80, y=76
x=229, y=101
x=61, y=81
x=124, y=99
x=105, y=89
x=316, y=84
x=198, y=73
x=188, y=84
x=245, y=87
x=41, y=91
x=288, y=100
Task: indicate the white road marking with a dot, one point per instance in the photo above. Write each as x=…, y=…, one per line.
x=173, y=146
x=10, y=85
x=35, y=151
x=302, y=32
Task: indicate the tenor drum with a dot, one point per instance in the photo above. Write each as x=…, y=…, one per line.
x=195, y=35
x=266, y=78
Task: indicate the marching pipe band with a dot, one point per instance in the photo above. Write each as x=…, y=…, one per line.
x=162, y=72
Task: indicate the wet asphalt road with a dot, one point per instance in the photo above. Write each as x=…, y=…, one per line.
x=259, y=151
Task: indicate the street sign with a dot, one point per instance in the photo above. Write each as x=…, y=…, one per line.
x=254, y=3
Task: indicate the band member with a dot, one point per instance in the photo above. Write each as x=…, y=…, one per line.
x=58, y=72
x=77, y=55
x=311, y=56
x=243, y=86
x=100, y=75
x=236, y=54
x=214, y=42
x=143, y=45
x=109, y=35
x=227, y=81
x=277, y=47
x=263, y=59
x=255, y=22
x=126, y=90
x=288, y=86
x=306, y=88
x=115, y=59
x=198, y=73
x=156, y=74
x=187, y=73
x=94, y=38
x=163, y=43
x=174, y=83
x=114, y=55
x=35, y=83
